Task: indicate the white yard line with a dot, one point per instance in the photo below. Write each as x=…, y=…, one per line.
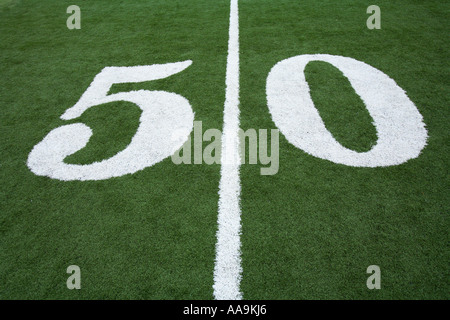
x=227, y=269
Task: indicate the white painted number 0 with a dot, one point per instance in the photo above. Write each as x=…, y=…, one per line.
x=400, y=130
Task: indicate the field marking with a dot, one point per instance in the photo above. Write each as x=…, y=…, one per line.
x=163, y=113
x=227, y=269
x=400, y=130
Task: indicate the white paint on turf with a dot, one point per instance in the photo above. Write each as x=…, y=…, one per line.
x=162, y=114
x=227, y=269
x=400, y=129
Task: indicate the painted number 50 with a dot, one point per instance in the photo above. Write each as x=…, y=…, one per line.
x=400, y=129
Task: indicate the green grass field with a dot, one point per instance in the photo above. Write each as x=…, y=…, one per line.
x=308, y=232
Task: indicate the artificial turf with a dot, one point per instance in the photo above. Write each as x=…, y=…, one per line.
x=308, y=232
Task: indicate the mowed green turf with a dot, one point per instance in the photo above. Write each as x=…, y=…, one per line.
x=148, y=235
x=309, y=232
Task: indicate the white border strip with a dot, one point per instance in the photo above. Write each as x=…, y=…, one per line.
x=227, y=269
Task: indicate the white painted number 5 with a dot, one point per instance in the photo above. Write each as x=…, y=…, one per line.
x=163, y=113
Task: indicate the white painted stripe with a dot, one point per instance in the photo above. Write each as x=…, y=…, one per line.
x=227, y=269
